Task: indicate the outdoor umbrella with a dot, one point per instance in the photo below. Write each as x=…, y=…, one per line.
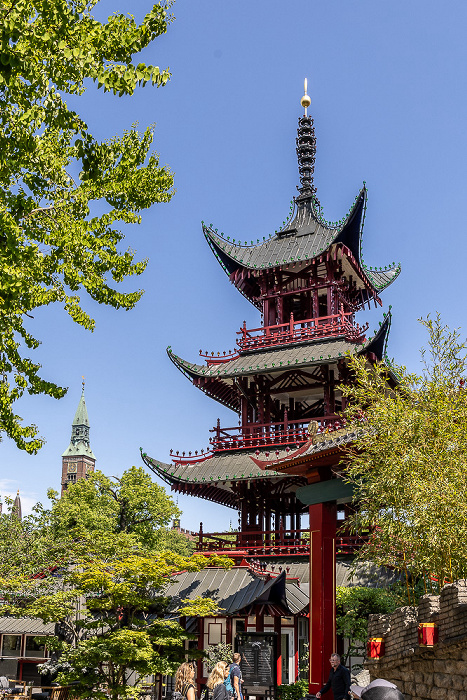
x=377, y=690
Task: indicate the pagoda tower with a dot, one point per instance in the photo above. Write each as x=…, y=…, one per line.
x=78, y=460
x=308, y=280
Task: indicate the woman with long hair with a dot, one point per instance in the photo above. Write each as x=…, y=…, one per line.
x=184, y=681
x=215, y=682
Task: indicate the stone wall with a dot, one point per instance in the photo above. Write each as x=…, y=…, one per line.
x=438, y=673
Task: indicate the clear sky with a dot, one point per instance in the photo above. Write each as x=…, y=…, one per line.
x=388, y=88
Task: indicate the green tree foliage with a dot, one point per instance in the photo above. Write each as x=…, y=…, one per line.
x=113, y=615
x=409, y=464
x=353, y=606
x=103, y=574
x=28, y=546
x=63, y=194
x=216, y=653
x=294, y=691
x=132, y=504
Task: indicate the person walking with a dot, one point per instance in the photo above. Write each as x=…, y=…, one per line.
x=339, y=680
x=215, y=682
x=236, y=676
x=184, y=682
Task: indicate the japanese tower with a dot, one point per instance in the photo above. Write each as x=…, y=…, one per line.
x=308, y=280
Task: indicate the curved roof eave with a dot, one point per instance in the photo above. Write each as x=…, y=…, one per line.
x=378, y=343
x=299, y=355
x=306, y=236
x=378, y=346
x=193, y=371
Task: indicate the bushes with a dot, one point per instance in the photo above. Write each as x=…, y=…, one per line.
x=292, y=692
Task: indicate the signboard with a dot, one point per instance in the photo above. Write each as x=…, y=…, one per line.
x=258, y=650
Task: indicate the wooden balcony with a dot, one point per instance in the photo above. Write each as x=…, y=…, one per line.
x=337, y=325
x=276, y=435
x=269, y=543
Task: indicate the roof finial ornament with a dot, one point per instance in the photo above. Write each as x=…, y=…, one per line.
x=306, y=99
x=306, y=149
x=83, y=383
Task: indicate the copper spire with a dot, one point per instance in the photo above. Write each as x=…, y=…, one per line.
x=306, y=148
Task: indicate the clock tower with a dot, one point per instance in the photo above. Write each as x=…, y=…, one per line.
x=78, y=460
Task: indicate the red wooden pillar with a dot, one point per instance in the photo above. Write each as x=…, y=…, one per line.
x=323, y=518
x=228, y=630
x=296, y=658
x=277, y=629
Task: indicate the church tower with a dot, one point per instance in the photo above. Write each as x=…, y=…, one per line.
x=78, y=460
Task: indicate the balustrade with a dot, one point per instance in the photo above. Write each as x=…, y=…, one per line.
x=266, y=543
x=341, y=324
x=263, y=435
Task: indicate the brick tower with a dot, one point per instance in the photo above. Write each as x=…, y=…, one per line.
x=78, y=459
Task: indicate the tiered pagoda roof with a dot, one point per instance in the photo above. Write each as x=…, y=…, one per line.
x=219, y=374
x=309, y=278
x=216, y=476
x=305, y=237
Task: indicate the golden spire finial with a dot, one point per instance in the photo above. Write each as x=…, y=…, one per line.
x=306, y=99
x=83, y=382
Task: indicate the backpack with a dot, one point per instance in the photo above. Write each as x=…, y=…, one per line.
x=228, y=683
x=181, y=695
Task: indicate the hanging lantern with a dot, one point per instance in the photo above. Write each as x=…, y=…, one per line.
x=427, y=634
x=375, y=647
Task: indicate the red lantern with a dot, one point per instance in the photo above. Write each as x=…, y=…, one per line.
x=375, y=647
x=427, y=634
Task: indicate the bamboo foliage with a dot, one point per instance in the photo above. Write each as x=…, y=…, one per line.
x=409, y=464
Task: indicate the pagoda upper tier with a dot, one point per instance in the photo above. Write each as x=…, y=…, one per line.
x=296, y=259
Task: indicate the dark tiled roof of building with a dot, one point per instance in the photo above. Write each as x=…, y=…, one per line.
x=25, y=625
x=235, y=589
x=303, y=237
x=348, y=573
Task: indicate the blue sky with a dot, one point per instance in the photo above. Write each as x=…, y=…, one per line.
x=388, y=88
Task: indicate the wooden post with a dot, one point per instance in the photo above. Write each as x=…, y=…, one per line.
x=199, y=663
x=323, y=517
x=296, y=657
x=332, y=392
x=228, y=630
x=260, y=622
x=277, y=629
x=315, y=304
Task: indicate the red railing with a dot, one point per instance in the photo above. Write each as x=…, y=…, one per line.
x=213, y=359
x=269, y=434
x=266, y=543
x=297, y=331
